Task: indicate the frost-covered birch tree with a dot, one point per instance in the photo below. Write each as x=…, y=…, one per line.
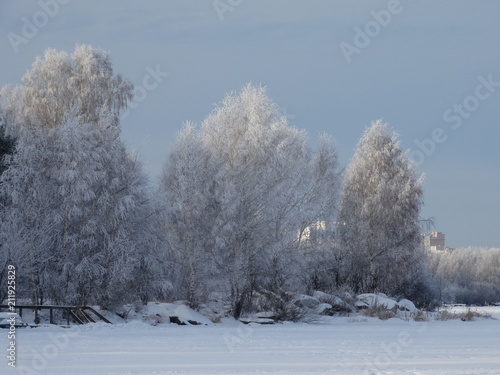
x=60, y=82
x=28, y=219
x=80, y=221
x=252, y=182
x=7, y=145
x=381, y=201
x=189, y=211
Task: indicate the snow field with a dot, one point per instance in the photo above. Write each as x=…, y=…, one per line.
x=347, y=345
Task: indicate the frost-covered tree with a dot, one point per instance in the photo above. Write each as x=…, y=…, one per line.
x=379, y=213
x=26, y=225
x=80, y=222
x=60, y=83
x=7, y=145
x=80, y=214
x=10, y=109
x=189, y=211
x=250, y=184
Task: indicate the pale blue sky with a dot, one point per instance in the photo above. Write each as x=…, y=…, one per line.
x=429, y=56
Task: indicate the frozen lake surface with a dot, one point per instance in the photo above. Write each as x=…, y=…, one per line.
x=340, y=345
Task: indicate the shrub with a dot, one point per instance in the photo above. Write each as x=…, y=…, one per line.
x=357, y=320
x=446, y=315
x=281, y=303
x=341, y=301
x=468, y=316
x=380, y=312
x=420, y=316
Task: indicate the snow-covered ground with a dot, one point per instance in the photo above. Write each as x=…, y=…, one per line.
x=339, y=345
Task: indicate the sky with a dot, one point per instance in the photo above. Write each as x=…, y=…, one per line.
x=431, y=69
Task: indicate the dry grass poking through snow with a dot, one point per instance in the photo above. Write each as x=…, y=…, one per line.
x=467, y=316
x=383, y=313
x=380, y=311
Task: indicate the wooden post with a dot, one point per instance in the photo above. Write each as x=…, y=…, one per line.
x=37, y=318
x=67, y=316
x=21, y=312
x=51, y=316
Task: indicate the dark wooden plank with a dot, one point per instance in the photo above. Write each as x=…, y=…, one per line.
x=76, y=312
x=97, y=314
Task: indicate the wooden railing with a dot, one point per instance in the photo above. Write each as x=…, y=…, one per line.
x=79, y=314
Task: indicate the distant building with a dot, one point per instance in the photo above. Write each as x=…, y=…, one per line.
x=435, y=241
x=318, y=232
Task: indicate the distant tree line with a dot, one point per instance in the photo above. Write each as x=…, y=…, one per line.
x=468, y=275
x=231, y=218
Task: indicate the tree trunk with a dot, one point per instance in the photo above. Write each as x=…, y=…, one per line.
x=373, y=277
x=238, y=308
x=192, y=283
